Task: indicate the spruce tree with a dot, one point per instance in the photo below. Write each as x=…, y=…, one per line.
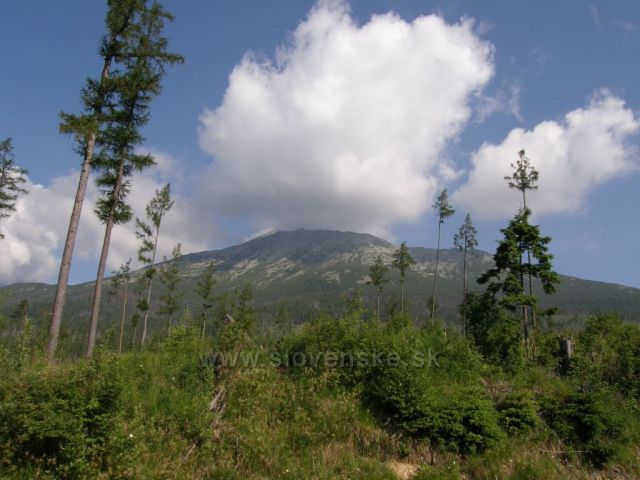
x=524, y=178
x=244, y=313
x=12, y=178
x=465, y=241
x=204, y=289
x=149, y=233
x=170, y=277
x=377, y=278
x=402, y=260
x=21, y=313
x=507, y=277
x=120, y=280
x=124, y=28
x=444, y=210
x=116, y=161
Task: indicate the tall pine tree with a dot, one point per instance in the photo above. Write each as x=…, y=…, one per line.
x=120, y=280
x=465, y=241
x=116, y=161
x=149, y=233
x=120, y=43
x=402, y=260
x=523, y=179
x=170, y=277
x=377, y=279
x=507, y=277
x=444, y=210
x=204, y=289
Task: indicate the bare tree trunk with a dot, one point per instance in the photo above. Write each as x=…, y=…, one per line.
x=25, y=320
x=146, y=312
x=97, y=292
x=74, y=221
x=204, y=324
x=464, y=289
x=533, y=312
x=525, y=321
x=435, y=278
x=124, y=313
x=401, y=295
x=378, y=303
x=133, y=339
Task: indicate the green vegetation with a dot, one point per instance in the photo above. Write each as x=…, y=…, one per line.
x=232, y=392
x=445, y=210
x=12, y=177
x=377, y=279
x=402, y=260
x=125, y=114
x=133, y=54
x=465, y=241
x=169, y=276
x=337, y=397
x=149, y=232
x=306, y=286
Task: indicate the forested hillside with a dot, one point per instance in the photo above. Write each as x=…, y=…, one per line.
x=307, y=272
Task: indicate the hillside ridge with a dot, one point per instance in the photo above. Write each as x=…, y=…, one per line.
x=312, y=269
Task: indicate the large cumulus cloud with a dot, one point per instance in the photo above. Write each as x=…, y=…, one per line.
x=589, y=146
x=346, y=126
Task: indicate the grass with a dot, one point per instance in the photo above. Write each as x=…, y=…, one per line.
x=167, y=413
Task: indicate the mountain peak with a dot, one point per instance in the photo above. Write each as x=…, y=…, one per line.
x=313, y=268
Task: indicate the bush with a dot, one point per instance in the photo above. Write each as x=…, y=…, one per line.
x=171, y=387
x=608, y=354
x=591, y=422
x=496, y=333
x=420, y=380
x=517, y=413
x=60, y=420
x=451, y=416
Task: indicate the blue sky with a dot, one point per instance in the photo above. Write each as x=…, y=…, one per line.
x=531, y=65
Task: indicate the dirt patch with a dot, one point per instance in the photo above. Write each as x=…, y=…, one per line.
x=404, y=471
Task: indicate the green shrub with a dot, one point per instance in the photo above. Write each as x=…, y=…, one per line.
x=60, y=420
x=608, y=354
x=496, y=332
x=452, y=417
x=517, y=413
x=546, y=351
x=170, y=387
x=590, y=422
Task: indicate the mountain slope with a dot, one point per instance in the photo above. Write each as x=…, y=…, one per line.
x=310, y=270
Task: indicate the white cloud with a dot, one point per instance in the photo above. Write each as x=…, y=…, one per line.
x=35, y=234
x=345, y=127
x=587, y=148
x=37, y=228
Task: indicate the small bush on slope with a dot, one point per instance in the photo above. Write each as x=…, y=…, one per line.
x=590, y=422
x=518, y=413
x=608, y=355
x=61, y=421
